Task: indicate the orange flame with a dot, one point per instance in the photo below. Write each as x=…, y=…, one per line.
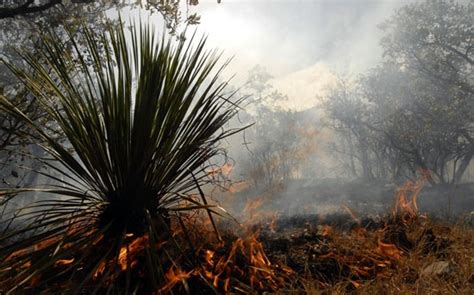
x=219, y=269
x=326, y=230
x=406, y=196
x=129, y=252
x=390, y=250
x=100, y=269
x=174, y=276
x=209, y=256
x=257, y=255
x=127, y=255
x=64, y=261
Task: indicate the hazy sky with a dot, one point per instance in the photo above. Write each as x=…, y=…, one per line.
x=301, y=43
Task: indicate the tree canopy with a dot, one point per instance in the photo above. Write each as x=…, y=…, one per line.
x=171, y=10
x=414, y=110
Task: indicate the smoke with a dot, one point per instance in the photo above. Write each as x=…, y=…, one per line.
x=306, y=46
x=290, y=36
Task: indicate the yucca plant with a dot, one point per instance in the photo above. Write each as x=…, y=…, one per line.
x=140, y=117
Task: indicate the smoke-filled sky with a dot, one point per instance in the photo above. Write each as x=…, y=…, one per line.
x=301, y=43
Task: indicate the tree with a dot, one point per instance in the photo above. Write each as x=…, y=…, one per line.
x=433, y=40
x=421, y=121
x=280, y=141
x=415, y=110
x=169, y=9
x=25, y=32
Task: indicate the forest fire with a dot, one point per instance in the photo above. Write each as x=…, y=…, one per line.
x=137, y=159
x=64, y=261
x=174, y=276
x=406, y=197
x=389, y=250
x=129, y=252
x=241, y=259
x=286, y=254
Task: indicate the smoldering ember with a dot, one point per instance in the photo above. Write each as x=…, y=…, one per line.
x=237, y=147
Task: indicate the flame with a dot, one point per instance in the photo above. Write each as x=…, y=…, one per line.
x=100, y=269
x=209, y=256
x=406, y=197
x=123, y=257
x=390, y=250
x=257, y=255
x=129, y=252
x=43, y=244
x=174, y=275
x=64, y=261
x=40, y=245
x=258, y=270
x=326, y=230
x=356, y=284
x=127, y=255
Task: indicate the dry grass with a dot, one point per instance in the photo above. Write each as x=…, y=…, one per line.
x=409, y=274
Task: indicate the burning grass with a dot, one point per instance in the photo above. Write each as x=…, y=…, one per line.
x=377, y=257
x=402, y=252
x=305, y=255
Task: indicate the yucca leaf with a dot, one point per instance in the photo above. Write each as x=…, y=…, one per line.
x=141, y=115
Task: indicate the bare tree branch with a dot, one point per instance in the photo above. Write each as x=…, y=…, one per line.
x=27, y=8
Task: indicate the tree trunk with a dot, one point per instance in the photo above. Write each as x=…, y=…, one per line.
x=365, y=162
x=351, y=155
x=465, y=161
